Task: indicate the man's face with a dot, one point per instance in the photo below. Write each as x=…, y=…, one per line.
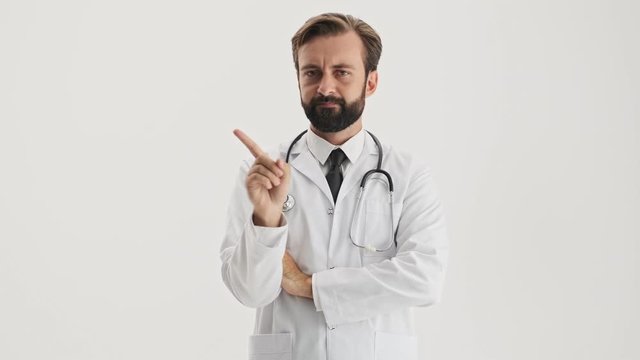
x=332, y=81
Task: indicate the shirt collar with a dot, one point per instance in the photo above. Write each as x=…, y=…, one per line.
x=321, y=148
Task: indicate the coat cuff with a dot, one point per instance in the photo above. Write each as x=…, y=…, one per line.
x=324, y=297
x=314, y=292
x=269, y=236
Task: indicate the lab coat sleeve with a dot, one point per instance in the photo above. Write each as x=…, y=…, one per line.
x=251, y=255
x=413, y=277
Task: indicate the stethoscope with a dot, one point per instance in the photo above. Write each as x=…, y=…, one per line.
x=355, y=231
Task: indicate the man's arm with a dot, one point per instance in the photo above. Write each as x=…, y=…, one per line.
x=251, y=255
x=294, y=281
x=256, y=234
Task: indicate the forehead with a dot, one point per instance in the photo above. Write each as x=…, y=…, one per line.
x=345, y=48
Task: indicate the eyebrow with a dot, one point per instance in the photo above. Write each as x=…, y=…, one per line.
x=337, y=66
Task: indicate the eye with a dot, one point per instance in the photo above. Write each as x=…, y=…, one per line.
x=343, y=73
x=310, y=73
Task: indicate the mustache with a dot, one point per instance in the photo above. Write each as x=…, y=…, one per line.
x=327, y=99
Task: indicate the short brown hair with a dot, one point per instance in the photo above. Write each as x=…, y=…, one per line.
x=329, y=24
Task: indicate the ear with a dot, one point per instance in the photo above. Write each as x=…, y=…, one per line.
x=372, y=83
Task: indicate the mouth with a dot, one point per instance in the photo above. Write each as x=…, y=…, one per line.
x=327, y=104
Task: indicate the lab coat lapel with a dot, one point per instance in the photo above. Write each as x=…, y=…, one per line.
x=366, y=161
x=306, y=164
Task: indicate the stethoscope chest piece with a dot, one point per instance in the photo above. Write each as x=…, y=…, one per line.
x=288, y=203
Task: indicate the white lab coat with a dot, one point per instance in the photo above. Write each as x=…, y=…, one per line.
x=362, y=299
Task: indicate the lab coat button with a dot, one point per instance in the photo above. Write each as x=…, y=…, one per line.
x=330, y=211
x=331, y=327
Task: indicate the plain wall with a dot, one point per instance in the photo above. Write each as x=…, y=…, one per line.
x=117, y=160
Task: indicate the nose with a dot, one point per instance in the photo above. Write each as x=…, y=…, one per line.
x=327, y=86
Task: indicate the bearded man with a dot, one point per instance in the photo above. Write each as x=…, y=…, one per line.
x=334, y=236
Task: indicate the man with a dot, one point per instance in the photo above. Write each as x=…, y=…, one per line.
x=333, y=277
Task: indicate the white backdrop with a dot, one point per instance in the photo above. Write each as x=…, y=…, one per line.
x=117, y=158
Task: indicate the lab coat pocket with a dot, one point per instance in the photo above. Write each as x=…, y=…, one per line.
x=395, y=346
x=380, y=223
x=379, y=230
x=270, y=346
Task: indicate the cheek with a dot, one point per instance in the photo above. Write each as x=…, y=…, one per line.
x=354, y=92
x=307, y=92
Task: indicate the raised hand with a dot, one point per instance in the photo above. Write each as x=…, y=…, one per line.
x=267, y=183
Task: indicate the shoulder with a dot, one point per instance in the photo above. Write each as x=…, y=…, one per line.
x=407, y=162
x=411, y=172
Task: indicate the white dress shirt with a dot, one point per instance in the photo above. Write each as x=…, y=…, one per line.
x=321, y=149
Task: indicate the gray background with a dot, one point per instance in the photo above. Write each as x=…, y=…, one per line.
x=117, y=158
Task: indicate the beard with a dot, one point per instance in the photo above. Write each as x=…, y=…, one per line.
x=333, y=119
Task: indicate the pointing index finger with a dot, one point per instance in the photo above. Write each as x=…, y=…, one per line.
x=248, y=142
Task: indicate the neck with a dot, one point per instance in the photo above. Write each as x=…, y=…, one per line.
x=340, y=137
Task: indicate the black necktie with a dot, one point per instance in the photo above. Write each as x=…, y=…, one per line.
x=334, y=176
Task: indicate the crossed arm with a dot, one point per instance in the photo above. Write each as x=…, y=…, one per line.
x=294, y=281
x=267, y=182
